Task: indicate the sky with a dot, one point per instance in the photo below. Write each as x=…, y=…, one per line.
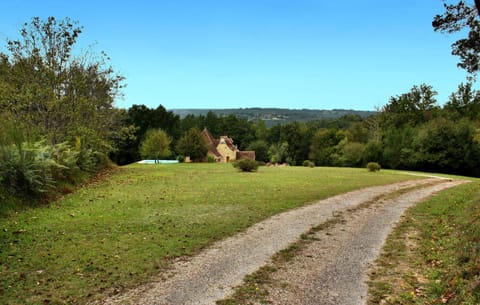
x=297, y=54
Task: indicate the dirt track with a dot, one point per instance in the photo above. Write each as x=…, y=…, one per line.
x=332, y=271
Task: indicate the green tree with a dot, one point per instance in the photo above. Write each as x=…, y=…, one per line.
x=397, y=148
x=298, y=146
x=156, y=145
x=53, y=94
x=278, y=152
x=261, y=130
x=373, y=152
x=352, y=154
x=412, y=108
x=240, y=130
x=144, y=118
x=193, y=144
x=465, y=103
x=325, y=146
x=443, y=145
x=261, y=150
x=456, y=18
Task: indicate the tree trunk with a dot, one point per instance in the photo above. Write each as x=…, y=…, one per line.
x=477, y=4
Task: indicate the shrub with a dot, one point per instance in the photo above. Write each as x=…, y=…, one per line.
x=26, y=169
x=211, y=159
x=246, y=165
x=35, y=169
x=308, y=163
x=373, y=167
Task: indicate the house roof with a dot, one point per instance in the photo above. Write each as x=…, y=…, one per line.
x=229, y=143
x=211, y=142
x=247, y=154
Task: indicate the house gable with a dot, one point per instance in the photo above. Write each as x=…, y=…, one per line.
x=223, y=149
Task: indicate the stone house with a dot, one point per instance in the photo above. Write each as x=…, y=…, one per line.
x=223, y=149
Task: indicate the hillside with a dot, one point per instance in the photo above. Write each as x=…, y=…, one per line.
x=275, y=116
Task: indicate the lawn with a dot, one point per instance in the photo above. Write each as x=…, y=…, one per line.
x=121, y=231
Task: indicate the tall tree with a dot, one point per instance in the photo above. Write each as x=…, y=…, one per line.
x=193, y=145
x=455, y=18
x=412, y=108
x=51, y=92
x=465, y=103
x=298, y=146
x=156, y=145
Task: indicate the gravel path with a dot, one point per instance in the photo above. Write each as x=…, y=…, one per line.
x=332, y=270
x=212, y=274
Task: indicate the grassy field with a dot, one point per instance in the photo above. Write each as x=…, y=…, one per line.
x=433, y=256
x=122, y=230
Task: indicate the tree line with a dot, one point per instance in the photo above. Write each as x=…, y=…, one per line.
x=58, y=123
x=412, y=131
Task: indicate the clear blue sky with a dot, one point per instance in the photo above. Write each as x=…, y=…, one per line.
x=260, y=53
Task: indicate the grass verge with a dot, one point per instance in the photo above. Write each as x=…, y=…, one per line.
x=119, y=232
x=433, y=256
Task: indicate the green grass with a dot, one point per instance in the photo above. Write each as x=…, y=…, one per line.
x=121, y=231
x=433, y=257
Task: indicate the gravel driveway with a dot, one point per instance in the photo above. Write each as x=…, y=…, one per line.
x=332, y=272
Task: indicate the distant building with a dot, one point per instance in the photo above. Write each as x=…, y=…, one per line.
x=223, y=149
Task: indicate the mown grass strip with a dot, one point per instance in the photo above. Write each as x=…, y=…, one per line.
x=119, y=232
x=433, y=256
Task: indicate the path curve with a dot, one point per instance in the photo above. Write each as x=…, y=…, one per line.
x=211, y=275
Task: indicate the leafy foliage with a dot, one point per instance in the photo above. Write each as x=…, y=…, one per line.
x=308, y=163
x=278, y=152
x=60, y=105
x=455, y=19
x=156, y=145
x=26, y=168
x=446, y=146
x=246, y=165
x=193, y=144
x=260, y=148
x=412, y=108
x=465, y=103
x=373, y=167
x=51, y=93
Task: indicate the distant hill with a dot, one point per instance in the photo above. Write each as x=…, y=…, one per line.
x=275, y=116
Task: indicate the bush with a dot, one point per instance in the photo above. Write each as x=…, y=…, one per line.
x=36, y=169
x=26, y=169
x=246, y=165
x=373, y=167
x=308, y=163
x=210, y=159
